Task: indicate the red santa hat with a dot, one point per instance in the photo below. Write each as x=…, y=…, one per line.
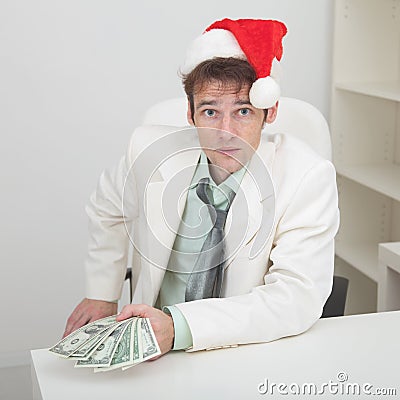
x=255, y=40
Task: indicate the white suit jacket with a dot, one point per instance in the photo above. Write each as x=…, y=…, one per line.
x=279, y=273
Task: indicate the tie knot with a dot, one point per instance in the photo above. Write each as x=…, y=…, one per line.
x=203, y=191
x=205, y=194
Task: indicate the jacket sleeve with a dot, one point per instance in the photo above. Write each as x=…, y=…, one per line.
x=111, y=210
x=296, y=285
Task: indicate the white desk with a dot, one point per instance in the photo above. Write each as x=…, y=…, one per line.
x=365, y=347
x=389, y=277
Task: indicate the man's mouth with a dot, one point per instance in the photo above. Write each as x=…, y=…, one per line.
x=229, y=151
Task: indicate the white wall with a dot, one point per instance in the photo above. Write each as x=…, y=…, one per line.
x=75, y=79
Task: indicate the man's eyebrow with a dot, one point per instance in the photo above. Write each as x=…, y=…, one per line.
x=243, y=102
x=206, y=103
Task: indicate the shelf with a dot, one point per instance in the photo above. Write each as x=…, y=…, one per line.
x=384, y=90
x=362, y=256
x=389, y=254
x=383, y=178
x=365, y=128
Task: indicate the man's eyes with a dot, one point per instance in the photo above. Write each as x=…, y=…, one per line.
x=209, y=113
x=212, y=113
x=244, y=111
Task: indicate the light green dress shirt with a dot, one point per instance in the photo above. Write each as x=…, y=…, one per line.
x=193, y=229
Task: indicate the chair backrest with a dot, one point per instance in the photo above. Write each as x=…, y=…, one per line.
x=336, y=303
x=295, y=117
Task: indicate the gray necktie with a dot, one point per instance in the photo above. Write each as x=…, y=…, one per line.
x=205, y=281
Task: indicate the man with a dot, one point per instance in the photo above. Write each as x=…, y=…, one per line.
x=272, y=273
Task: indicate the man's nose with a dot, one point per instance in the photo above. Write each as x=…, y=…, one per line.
x=225, y=124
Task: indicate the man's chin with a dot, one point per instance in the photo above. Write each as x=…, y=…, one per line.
x=229, y=166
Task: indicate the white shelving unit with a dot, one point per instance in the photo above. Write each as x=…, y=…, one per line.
x=365, y=126
x=389, y=277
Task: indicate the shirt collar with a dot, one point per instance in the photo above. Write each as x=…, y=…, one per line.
x=231, y=183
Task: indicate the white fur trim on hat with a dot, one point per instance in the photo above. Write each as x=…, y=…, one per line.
x=264, y=93
x=214, y=43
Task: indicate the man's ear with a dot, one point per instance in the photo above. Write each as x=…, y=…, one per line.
x=272, y=113
x=189, y=114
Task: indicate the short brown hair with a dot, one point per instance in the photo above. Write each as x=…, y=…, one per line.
x=233, y=72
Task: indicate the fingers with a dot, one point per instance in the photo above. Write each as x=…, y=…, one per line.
x=134, y=310
x=75, y=321
x=162, y=323
x=89, y=310
x=78, y=318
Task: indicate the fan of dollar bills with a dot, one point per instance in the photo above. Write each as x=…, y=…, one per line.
x=107, y=344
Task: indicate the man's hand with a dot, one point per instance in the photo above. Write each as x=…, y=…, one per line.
x=162, y=323
x=87, y=311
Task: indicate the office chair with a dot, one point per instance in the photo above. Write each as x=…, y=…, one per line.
x=295, y=117
x=334, y=306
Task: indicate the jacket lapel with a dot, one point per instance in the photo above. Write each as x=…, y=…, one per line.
x=165, y=202
x=251, y=217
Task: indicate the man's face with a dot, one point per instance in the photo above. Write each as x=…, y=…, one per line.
x=236, y=126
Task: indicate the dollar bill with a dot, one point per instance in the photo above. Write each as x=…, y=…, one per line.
x=90, y=346
x=104, y=353
x=124, y=354
x=149, y=342
x=136, y=343
x=78, y=338
x=107, y=344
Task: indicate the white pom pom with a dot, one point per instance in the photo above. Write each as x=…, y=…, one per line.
x=264, y=93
